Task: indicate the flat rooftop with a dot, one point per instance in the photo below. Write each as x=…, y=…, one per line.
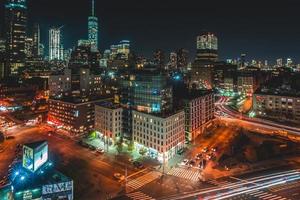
x=23, y=179
x=108, y=104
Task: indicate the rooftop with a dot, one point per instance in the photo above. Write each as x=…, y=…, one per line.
x=77, y=101
x=22, y=179
x=34, y=145
x=108, y=104
x=193, y=94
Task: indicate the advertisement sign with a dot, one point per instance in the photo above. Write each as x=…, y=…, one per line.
x=57, y=187
x=28, y=158
x=40, y=156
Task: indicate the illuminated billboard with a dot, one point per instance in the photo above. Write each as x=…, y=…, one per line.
x=28, y=158
x=35, y=155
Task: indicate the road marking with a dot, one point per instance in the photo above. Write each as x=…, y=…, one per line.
x=143, y=180
x=188, y=174
x=139, y=196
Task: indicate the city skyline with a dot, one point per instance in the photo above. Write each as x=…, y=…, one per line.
x=257, y=31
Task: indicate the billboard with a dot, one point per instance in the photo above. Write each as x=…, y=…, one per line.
x=63, y=190
x=28, y=158
x=35, y=155
x=40, y=156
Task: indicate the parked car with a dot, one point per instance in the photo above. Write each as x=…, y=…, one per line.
x=205, y=149
x=138, y=164
x=99, y=150
x=119, y=176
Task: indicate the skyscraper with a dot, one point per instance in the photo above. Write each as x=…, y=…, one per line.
x=15, y=33
x=36, y=40
x=159, y=58
x=182, y=59
x=207, y=47
x=93, y=29
x=55, y=44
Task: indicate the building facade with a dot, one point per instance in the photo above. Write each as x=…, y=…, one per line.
x=284, y=107
x=15, y=34
x=108, y=120
x=199, y=113
x=75, y=115
x=161, y=135
x=60, y=84
x=207, y=47
x=55, y=44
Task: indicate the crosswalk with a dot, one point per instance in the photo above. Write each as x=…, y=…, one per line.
x=143, y=180
x=218, y=183
x=189, y=174
x=139, y=196
x=285, y=186
x=265, y=195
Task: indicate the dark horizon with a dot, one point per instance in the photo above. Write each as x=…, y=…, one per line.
x=262, y=30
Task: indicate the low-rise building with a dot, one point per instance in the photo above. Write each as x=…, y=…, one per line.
x=199, y=112
x=277, y=104
x=108, y=119
x=162, y=134
x=60, y=84
x=73, y=115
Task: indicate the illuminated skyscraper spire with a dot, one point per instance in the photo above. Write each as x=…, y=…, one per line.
x=93, y=29
x=93, y=7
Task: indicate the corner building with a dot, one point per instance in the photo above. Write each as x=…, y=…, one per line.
x=161, y=135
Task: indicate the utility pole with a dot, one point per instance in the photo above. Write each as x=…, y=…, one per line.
x=125, y=179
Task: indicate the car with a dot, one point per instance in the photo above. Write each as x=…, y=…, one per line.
x=138, y=165
x=192, y=163
x=92, y=148
x=208, y=157
x=99, y=150
x=198, y=156
x=205, y=149
x=10, y=137
x=185, y=161
x=214, y=149
x=119, y=176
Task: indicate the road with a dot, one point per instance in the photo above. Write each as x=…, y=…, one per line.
x=92, y=173
x=221, y=105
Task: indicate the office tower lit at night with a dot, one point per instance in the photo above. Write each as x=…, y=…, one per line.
x=207, y=47
x=36, y=40
x=15, y=32
x=93, y=29
x=55, y=44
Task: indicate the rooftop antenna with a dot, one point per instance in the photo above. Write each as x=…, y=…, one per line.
x=93, y=8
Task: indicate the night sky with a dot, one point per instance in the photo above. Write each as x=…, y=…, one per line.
x=263, y=29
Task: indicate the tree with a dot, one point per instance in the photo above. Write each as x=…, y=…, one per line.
x=131, y=146
x=119, y=147
x=143, y=151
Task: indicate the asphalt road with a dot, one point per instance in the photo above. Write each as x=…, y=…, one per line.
x=92, y=173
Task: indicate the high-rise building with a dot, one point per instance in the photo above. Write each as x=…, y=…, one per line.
x=15, y=33
x=121, y=50
x=93, y=29
x=207, y=47
x=36, y=40
x=182, y=59
x=279, y=62
x=172, y=64
x=289, y=62
x=29, y=47
x=55, y=44
x=159, y=58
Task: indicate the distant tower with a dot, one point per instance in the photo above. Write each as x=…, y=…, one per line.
x=36, y=40
x=93, y=29
x=55, y=44
x=207, y=47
